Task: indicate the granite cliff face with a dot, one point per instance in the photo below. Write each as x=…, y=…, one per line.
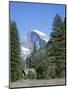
x=37, y=37
x=40, y=39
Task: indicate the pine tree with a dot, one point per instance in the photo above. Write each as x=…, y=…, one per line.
x=15, y=59
x=56, y=49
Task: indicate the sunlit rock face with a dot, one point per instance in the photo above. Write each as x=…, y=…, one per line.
x=37, y=37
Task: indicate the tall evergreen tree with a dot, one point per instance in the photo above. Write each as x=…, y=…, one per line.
x=15, y=59
x=56, y=49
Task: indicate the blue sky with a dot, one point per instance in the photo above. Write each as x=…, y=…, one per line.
x=29, y=16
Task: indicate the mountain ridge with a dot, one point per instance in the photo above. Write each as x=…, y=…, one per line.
x=33, y=36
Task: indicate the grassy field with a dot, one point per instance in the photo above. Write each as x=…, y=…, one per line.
x=28, y=83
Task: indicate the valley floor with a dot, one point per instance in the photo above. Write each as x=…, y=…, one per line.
x=43, y=82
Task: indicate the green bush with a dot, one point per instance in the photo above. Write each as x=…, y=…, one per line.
x=32, y=75
x=45, y=75
x=51, y=70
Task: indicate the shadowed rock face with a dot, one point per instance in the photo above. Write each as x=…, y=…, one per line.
x=39, y=38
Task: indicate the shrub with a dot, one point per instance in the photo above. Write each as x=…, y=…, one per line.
x=32, y=75
x=51, y=70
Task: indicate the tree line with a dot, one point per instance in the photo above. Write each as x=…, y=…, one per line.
x=48, y=61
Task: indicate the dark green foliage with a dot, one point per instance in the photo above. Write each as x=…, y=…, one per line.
x=40, y=70
x=56, y=49
x=15, y=59
x=51, y=70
